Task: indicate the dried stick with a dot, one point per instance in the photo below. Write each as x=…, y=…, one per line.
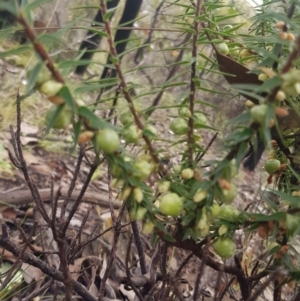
x=137, y=292
x=200, y=273
x=271, y=278
x=39, y=291
x=44, y=267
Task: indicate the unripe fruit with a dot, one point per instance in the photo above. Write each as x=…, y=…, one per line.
x=223, y=48
x=163, y=186
x=187, y=173
x=147, y=227
x=126, y=118
x=227, y=27
x=272, y=154
x=138, y=214
x=179, y=126
x=132, y=134
x=177, y=168
x=244, y=53
x=233, y=168
x=296, y=193
x=203, y=225
x=228, y=195
x=143, y=169
x=222, y=230
x=234, y=51
x=42, y=77
x=215, y=210
x=171, y=204
x=107, y=140
x=272, y=166
x=199, y=120
x=263, y=77
x=224, y=247
x=272, y=245
x=62, y=120
x=85, y=137
x=292, y=223
x=115, y=170
x=117, y=183
x=258, y=114
x=138, y=194
x=280, y=95
x=50, y=88
x=184, y=112
x=228, y=213
x=125, y=193
x=291, y=82
x=145, y=157
x=200, y=195
x=249, y=104
x=151, y=129
x=80, y=102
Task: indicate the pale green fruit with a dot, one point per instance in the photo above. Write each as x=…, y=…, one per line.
x=179, y=126
x=263, y=77
x=163, y=186
x=293, y=223
x=151, y=129
x=200, y=120
x=228, y=28
x=200, y=195
x=184, y=112
x=126, y=118
x=187, y=173
x=258, y=114
x=223, y=48
x=63, y=120
x=43, y=76
x=272, y=166
x=50, y=88
x=143, y=169
x=107, y=140
x=215, y=210
x=138, y=214
x=228, y=212
x=171, y=204
x=147, y=227
x=227, y=196
x=132, y=134
x=224, y=247
x=223, y=230
x=125, y=193
x=138, y=194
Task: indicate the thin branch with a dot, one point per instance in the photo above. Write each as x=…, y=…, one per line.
x=200, y=272
x=137, y=292
x=271, y=278
x=124, y=87
x=39, y=48
x=44, y=267
x=190, y=138
x=38, y=291
x=71, y=188
x=139, y=246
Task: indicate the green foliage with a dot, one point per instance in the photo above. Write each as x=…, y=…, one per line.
x=188, y=202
